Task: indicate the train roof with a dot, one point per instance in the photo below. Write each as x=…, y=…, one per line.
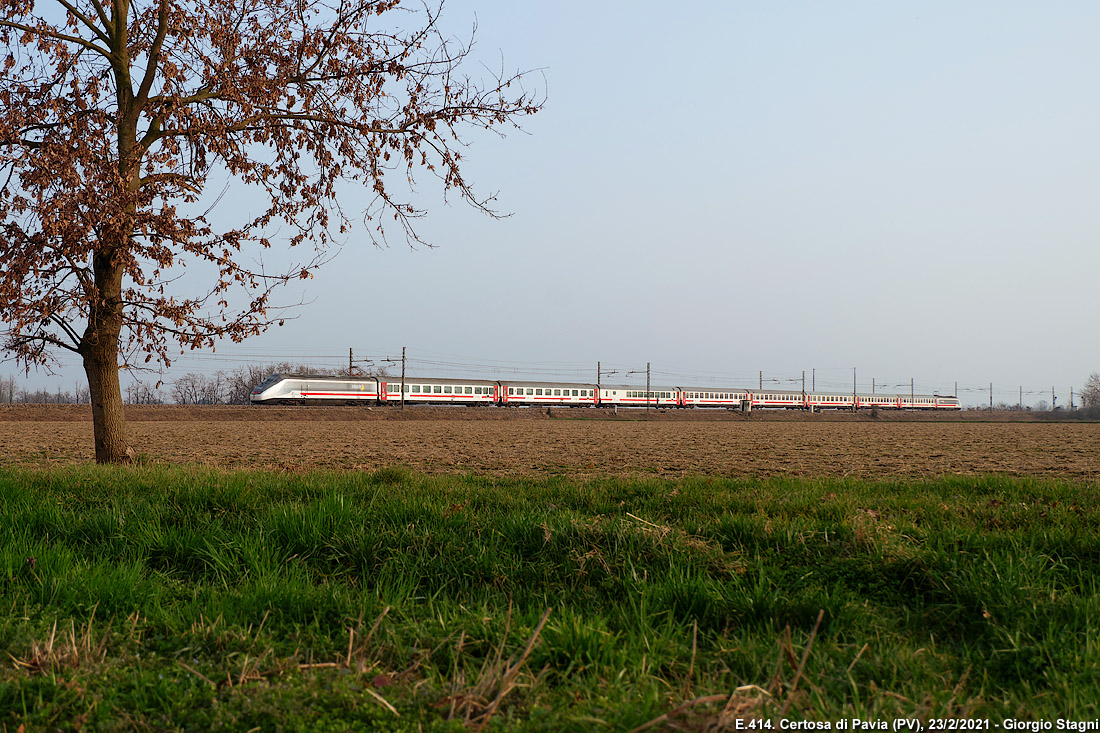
x=440, y=380
x=570, y=385
x=717, y=389
x=640, y=387
x=333, y=377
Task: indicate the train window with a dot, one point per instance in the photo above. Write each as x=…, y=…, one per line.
x=557, y=393
x=469, y=390
x=416, y=388
x=437, y=389
x=447, y=389
x=538, y=391
x=477, y=390
x=576, y=392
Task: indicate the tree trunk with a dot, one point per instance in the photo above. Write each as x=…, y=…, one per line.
x=112, y=443
x=99, y=348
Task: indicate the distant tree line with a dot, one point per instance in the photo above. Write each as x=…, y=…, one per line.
x=223, y=387
x=10, y=392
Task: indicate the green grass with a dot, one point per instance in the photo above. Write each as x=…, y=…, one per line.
x=179, y=598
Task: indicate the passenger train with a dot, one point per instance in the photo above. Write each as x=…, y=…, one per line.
x=317, y=389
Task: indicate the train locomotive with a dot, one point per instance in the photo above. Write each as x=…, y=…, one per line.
x=300, y=389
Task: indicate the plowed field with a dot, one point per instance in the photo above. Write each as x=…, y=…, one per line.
x=518, y=442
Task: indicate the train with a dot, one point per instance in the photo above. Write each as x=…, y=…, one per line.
x=300, y=389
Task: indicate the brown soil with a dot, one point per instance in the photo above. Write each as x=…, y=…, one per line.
x=575, y=442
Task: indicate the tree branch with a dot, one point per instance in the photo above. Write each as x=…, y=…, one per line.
x=86, y=20
x=76, y=40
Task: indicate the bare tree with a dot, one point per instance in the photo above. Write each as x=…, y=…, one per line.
x=7, y=389
x=241, y=381
x=1090, y=395
x=197, y=389
x=115, y=119
x=139, y=393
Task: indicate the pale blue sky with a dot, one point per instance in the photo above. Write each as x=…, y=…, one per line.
x=725, y=187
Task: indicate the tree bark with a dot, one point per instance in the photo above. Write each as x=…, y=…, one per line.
x=99, y=349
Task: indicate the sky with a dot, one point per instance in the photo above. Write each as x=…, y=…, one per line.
x=741, y=191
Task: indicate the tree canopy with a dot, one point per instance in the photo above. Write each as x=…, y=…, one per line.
x=117, y=117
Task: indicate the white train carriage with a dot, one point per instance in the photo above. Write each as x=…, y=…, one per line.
x=440, y=391
x=548, y=393
x=711, y=397
x=778, y=398
x=628, y=395
x=885, y=401
x=315, y=388
x=829, y=400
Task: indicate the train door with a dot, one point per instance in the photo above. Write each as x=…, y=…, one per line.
x=382, y=391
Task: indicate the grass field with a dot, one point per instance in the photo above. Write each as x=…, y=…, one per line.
x=193, y=598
